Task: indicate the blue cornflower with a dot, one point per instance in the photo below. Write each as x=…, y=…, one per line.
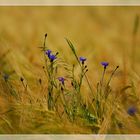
x=48, y=52
x=61, y=79
x=82, y=59
x=52, y=57
x=105, y=64
x=131, y=111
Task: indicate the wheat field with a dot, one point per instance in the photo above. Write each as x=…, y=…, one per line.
x=32, y=97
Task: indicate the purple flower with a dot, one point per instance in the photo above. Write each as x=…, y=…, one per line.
x=105, y=64
x=131, y=111
x=52, y=57
x=82, y=59
x=48, y=52
x=61, y=79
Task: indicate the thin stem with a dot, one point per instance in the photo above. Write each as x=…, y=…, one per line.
x=134, y=39
x=64, y=102
x=107, y=86
x=81, y=77
x=102, y=79
x=112, y=75
x=74, y=52
x=44, y=49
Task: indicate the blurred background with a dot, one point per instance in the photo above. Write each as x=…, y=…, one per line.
x=98, y=33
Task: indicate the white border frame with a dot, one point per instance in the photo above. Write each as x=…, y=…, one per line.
x=69, y=137
x=69, y=2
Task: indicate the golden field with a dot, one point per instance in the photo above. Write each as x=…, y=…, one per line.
x=98, y=33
